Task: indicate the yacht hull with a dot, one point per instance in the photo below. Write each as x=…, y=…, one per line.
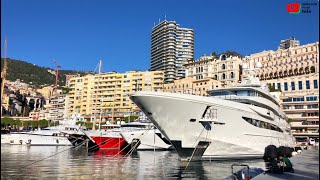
x=105, y=140
x=179, y=118
x=38, y=140
x=150, y=139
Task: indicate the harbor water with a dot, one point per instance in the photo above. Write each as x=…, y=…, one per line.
x=50, y=162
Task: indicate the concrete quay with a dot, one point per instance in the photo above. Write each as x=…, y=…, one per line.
x=305, y=165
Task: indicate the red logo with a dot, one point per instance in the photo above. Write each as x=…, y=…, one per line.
x=293, y=8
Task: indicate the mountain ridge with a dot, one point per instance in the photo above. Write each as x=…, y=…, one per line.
x=36, y=75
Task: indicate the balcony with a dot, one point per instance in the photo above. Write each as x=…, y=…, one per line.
x=305, y=126
x=306, y=133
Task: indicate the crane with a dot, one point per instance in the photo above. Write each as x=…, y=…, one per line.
x=4, y=70
x=57, y=73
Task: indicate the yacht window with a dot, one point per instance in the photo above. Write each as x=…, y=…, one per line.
x=262, y=124
x=223, y=93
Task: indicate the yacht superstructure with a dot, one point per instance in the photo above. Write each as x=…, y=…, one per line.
x=231, y=123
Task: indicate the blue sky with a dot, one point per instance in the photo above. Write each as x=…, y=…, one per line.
x=77, y=33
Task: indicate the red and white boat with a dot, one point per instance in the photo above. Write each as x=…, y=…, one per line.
x=113, y=137
x=109, y=138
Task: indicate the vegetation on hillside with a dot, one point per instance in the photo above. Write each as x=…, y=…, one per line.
x=35, y=75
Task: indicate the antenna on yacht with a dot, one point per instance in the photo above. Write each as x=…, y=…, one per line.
x=95, y=108
x=250, y=76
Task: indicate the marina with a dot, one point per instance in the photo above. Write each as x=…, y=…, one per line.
x=186, y=90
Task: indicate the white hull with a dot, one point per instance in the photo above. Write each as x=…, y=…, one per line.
x=177, y=117
x=5, y=138
x=38, y=140
x=148, y=139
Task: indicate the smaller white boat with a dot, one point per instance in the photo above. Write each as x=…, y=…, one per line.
x=150, y=139
x=44, y=137
x=5, y=136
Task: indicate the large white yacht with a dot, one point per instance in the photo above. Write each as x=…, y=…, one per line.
x=231, y=123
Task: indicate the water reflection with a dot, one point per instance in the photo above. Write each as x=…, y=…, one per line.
x=77, y=163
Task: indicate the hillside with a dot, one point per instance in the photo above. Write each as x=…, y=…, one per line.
x=28, y=72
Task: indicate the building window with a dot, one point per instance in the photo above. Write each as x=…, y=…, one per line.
x=312, y=106
x=232, y=75
x=315, y=84
x=298, y=107
x=223, y=76
x=307, y=84
x=285, y=107
x=223, y=66
x=293, y=87
x=286, y=86
x=279, y=86
x=300, y=85
x=312, y=98
x=223, y=57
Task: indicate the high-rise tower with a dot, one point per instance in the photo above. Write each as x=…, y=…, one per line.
x=171, y=48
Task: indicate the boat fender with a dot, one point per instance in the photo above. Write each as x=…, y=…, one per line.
x=20, y=141
x=57, y=141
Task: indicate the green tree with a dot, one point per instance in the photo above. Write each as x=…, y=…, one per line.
x=132, y=118
x=89, y=125
x=34, y=124
x=17, y=123
x=43, y=123
x=27, y=124
x=272, y=88
x=65, y=90
x=80, y=122
x=6, y=121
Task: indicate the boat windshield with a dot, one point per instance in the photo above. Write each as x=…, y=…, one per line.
x=236, y=93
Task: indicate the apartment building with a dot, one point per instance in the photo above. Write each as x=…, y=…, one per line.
x=192, y=86
x=46, y=92
x=108, y=93
x=225, y=69
x=56, y=107
x=294, y=70
x=171, y=48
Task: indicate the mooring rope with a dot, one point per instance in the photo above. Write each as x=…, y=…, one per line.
x=195, y=147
